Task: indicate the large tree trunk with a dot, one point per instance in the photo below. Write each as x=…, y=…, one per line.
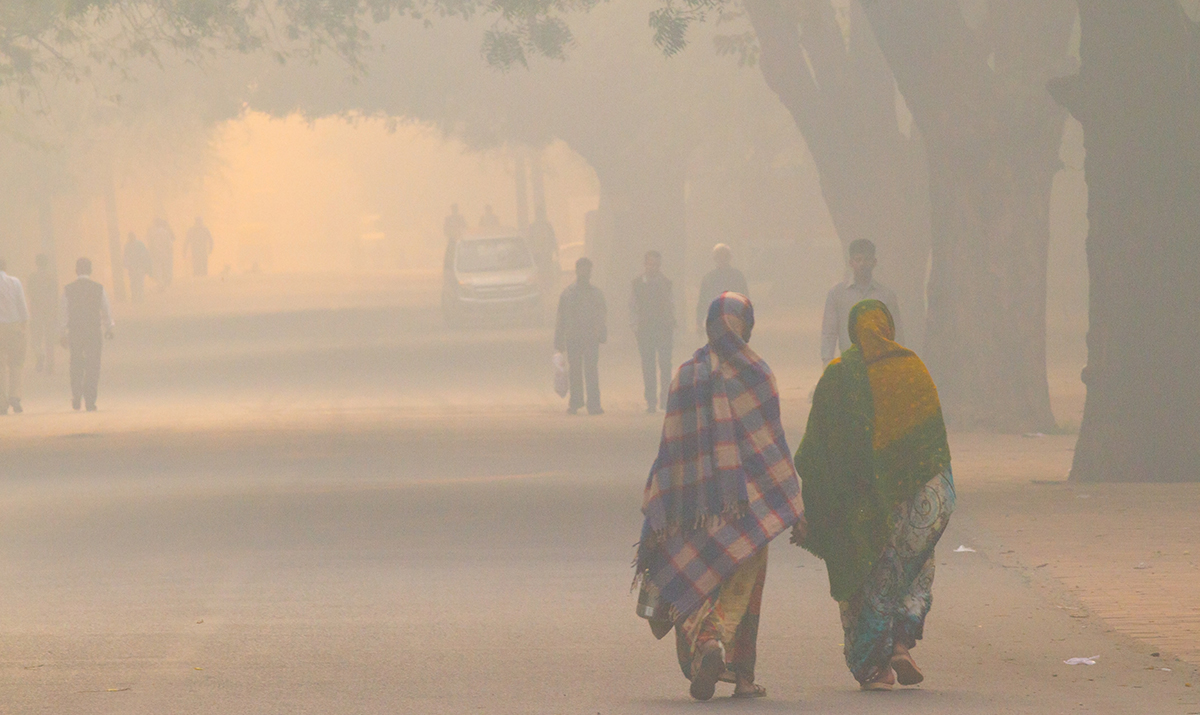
x=992, y=134
x=644, y=207
x=1138, y=98
x=872, y=176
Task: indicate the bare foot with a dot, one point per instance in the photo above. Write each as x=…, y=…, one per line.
x=748, y=689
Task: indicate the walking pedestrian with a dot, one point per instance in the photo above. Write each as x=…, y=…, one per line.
x=875, y=467
x=722, y=487
x=489, y=221
x=652, y=317
x=43, y=313
x=14, y=320
x=724, y=277
x=87, y=318
x=199, y=242
x=835, y=336
x=138, y=266
x=580, y=329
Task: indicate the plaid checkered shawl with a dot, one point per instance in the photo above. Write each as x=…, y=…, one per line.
x=723, y=484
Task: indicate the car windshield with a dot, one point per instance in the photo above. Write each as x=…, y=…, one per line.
x=482, y=255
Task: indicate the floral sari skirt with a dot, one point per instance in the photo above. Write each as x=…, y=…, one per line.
x=892, y=604
x=731, y=618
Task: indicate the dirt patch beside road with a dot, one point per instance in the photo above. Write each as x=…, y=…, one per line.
x=1129, y=553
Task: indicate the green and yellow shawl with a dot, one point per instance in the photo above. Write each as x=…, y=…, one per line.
x=875, y=436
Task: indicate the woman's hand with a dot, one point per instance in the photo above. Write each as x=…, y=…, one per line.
x=800, y=531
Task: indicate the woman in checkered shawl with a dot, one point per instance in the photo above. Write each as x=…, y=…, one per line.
x=722, y=487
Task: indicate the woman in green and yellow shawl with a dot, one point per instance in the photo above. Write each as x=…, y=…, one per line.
x=878, y=493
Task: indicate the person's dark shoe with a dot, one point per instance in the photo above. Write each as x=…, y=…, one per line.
x=572, y=410
x=4, y=411
x=76, y=403
x=91, y=407
x=16, y=405
x=651, y=409
x=596, y=411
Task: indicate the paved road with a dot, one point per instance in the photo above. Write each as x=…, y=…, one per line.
x=356, y=512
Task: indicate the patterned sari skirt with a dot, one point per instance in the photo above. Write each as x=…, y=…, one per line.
x=892, y=604
x=731, y=618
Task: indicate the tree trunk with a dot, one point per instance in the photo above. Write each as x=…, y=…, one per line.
x=872, y=176
x=1138, y=98
x=644, y=208
x=992, y=134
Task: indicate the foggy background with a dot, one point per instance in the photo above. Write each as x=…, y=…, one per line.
x=304, y=491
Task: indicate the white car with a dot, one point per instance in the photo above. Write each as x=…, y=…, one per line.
x=492, y=274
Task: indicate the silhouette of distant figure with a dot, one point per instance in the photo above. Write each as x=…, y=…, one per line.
x=488, y=220
x=160, y=239
x=719, y=280
x=652, y=317
x=14, y=319
x=580, y=329
x=43, y=313
x=453, y=227
x=87, y=318
x=138, y=266
x=199, y=243
x=835, y=330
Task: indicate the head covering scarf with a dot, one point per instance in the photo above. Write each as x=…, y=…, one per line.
x=723, y=484
x=875, y=436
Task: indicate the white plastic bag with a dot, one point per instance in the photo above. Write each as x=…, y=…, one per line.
x=561, y=380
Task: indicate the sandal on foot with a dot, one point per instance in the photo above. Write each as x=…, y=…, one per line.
x=712, y=665
x=756, y=691
x=907, y=672
x=879, y=682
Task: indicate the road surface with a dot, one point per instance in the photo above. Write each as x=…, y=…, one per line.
x=353, y=510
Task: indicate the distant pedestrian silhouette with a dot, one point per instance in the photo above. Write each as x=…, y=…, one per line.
x=199, y=243
x=88, y=320
x=137, y=265
x=489, y=220
x=723, y=278
x=14, y=322
x=652, y=317
x=835, y=333
x=579, y=331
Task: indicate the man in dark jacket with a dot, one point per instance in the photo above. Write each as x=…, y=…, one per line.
x=652, y=317
x=579, y=330
x=719, y=280
x=88, y=320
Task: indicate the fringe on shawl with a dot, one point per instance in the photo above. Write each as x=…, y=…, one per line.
x=703, y=522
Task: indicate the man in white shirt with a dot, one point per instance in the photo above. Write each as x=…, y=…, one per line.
x=835, y=328
x=14, y=319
